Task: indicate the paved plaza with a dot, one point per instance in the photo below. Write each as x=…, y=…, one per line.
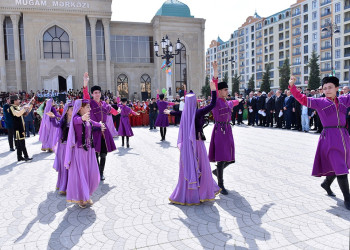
x=273, y=202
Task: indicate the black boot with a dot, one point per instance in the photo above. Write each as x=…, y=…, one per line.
x=162, y=133
x=220, y=175
x=127, y=142
x=225, y=163
x=344, y=187
x=123, y=141
x=326, y=184
x=102, y=166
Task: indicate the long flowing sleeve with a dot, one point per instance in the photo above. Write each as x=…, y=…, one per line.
x=86, y=95
x=298, y=96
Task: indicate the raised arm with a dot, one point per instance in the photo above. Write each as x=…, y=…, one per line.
x=208, y=108
x=86, y=95
x=306, y=101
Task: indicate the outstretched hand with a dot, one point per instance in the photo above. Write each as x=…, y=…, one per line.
x=167, y=111
x=292, y=81
x=212, y=86
x=86, y=79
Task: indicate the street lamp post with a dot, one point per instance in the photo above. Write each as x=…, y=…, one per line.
x=331, y=28
x=167, y=49
x=232, y=62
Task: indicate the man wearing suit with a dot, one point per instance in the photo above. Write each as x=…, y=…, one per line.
x=261, y=107
x=235, y=109
x=153, y=109
x=240, y=110
x=297, y=108
x=288, y=109
x=9, y=123
x=29, y=123
x=269, y=107
x=251, y=104
x=279, y=100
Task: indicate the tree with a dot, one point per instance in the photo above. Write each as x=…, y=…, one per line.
x=235, y=84
x=225, y=78
x=265, y=86
x=284, y=72
x=206, y=88
x=251, y=84
x=314, y=76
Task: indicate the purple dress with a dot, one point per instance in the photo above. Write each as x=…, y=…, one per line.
x=47, y=131
x=58, y=165
x=83, y=172
x=162, y=119
x=333, y=149
x=110, y=126
x=222, y=146
x=124, y=124
x=185, y=193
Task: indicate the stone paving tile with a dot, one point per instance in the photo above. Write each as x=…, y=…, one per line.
x=273, y=202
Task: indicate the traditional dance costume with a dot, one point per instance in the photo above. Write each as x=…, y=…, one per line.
x=124, y=125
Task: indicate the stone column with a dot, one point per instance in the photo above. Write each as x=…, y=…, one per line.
x=2, y=56
x=15, y=20
x=93, y=21
x=107, y=53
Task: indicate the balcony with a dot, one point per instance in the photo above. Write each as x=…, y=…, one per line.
x=281, y=57
x=306, y=71
x=281, y=38
x=296, y=23
x=296, y=73
x=287, y=46
x=280, y=29
x=346, y=19
x=240, y=35
x=297, y=53
x=346, y=43
x=296, y=43
x=326, y=47
x=297, y=33
x=271, y=32
x=287, y=36
x=272, y=74
x=346, y=31
x=347, y=54
x=281, y=47
x=325, y=58
x=326, y=69
x=296, y=13
x=259, y=70
x=259, y=53
x=296, y=63
x=327, y=13
x=325, y=2
x=241, y=42
x=327, y=35
x=241, y=57
x=271, y=41
x=259, y=28
x=241, y=50
x=259, y=61
x=347, y=7
x=324, y=25
x=346, y=66
x=259, y=45
x=258, y=36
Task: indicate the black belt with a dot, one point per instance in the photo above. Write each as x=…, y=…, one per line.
x=222, y=123
x=335, y=127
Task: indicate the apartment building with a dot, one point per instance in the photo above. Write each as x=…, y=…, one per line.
x=291, y=33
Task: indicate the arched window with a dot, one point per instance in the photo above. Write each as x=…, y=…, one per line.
x=122, y=85
x=180, y=69
x=56, y=43
x=145, y=87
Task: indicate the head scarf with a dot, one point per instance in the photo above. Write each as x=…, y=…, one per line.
x=65, y=109
x=186, y=142
x=71, y=140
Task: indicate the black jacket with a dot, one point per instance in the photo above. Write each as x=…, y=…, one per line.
x=252, y=103
x=153, y=107
x=270, y=104
x=279, y=103
x=261, y=102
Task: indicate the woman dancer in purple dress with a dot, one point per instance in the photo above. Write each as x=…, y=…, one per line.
x=332, y=157
x=196, y=183
x=124, y=125
x=80, y=159
x=62, y=135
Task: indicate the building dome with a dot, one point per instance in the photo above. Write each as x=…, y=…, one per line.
x=174, y=8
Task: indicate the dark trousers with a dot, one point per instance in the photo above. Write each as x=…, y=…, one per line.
x=269, y=118
x=240, y=118
x=117, y=121
x=298, y=120
x=251, y=117
x=101, y=157
x=278, y=120
x=29, y=128
x=21, y=148
x=10, y=135
x=262, y=120
x=319, y=124
x=288, y=118
x=233, y=117
x=152, y=119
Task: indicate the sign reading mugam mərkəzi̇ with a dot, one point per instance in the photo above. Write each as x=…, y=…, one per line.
x=53, y=3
